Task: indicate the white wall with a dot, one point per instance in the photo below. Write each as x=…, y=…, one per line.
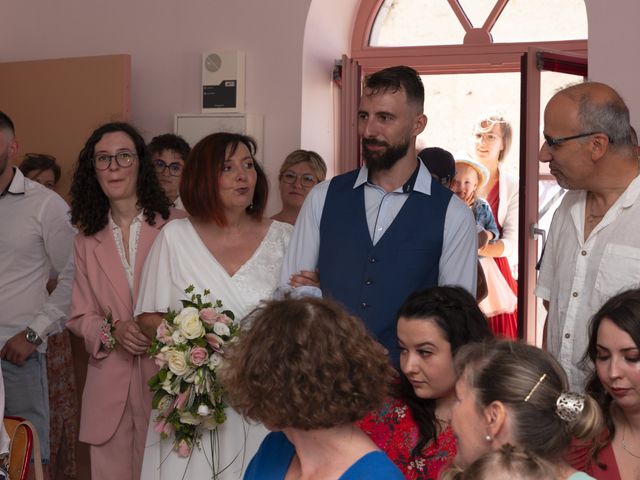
x=290, y=47
x=614, y=38
x=165, y=39
x=327, y=36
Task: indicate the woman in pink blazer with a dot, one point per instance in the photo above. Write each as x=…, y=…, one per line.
x=119, y=207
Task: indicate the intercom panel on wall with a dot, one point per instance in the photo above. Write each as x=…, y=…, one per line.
x=223, y=81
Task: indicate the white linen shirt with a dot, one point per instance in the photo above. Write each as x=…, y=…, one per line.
x=458, y=261
x=578, y=276
x=35, y=236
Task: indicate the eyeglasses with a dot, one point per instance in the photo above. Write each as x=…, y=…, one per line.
x=124, y=159
x=175, y=168
x=306, y=179
x=486, y=137
x=553, y=142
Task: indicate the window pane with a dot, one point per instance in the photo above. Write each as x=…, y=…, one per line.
x=542, y=20
x=402, y=23
x=477, y=10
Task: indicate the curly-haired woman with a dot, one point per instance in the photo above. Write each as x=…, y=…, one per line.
x=119, y=207
x=308, y=370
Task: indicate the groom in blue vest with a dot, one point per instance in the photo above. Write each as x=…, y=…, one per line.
x=379, y=233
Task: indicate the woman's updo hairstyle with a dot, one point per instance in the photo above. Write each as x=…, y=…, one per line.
x=534, y=388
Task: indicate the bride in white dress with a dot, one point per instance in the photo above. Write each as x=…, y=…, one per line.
x=226, y=246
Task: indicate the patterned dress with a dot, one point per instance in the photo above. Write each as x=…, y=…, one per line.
x=394, y=431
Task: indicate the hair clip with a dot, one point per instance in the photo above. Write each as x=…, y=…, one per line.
x=569, y=406
x=526, y=399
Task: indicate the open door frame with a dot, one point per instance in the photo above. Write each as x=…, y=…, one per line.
x=533, y=62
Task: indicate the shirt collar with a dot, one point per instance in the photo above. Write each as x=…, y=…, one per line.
x=630, y=195
x=420, y=180
x=138, y=218
x=16, y=186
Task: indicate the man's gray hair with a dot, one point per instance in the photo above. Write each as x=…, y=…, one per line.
x=610, y=117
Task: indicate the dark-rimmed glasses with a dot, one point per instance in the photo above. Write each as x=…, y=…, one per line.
x=124, y=159
x=306, y=179
x=553, y=142
x=175, y=168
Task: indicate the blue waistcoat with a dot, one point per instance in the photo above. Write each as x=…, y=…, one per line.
x=373, y=281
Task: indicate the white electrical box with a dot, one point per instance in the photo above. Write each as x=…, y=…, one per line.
x=195, y=126
x=222, y=82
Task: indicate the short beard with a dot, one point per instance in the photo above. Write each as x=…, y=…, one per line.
x=377, y=161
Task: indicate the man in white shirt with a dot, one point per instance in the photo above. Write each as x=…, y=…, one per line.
x=593, y=249
x=35, y=236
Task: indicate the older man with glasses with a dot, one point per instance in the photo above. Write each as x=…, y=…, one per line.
x=593, y=249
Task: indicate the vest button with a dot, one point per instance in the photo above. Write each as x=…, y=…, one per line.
x=363, y=305
x=372, y=260
x=369, y=282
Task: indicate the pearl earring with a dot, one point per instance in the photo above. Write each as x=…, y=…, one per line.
x=487, y=438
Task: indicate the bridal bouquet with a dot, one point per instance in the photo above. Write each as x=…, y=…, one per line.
x=188, y=348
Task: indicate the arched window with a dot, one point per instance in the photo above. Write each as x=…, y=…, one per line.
x=471, y=51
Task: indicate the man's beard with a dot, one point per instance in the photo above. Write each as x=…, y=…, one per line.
x=383, y=159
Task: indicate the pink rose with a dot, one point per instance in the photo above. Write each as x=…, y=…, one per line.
x=208, y=315
x=160, y=359
x=183, y=448
x=159, y=427
x=198, y=356
x=214, y=341
x=163, y=334
x=181, y=399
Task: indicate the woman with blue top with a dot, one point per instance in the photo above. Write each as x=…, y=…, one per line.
x=308, y=370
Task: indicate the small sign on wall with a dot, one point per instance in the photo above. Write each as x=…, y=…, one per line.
x=223, y=82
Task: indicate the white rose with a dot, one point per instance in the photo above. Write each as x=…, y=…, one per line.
x=189, y=419
x=190, y=324
x=203, y=410
x=221, y=329
x=178, y=338
x=214, y=361
x=186, y=312
x=168, y=387
x=177, y=362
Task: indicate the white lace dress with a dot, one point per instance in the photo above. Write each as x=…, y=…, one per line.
x=178, y=259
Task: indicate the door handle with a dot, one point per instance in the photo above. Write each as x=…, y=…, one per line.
x=534, y=231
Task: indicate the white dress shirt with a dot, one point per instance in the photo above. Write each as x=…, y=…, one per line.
x=578, y=276
x=35, y=237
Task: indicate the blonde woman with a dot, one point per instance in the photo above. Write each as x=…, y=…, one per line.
x=492, y=136
x=300, y=172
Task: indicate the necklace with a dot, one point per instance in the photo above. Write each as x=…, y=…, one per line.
x=625, y=446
